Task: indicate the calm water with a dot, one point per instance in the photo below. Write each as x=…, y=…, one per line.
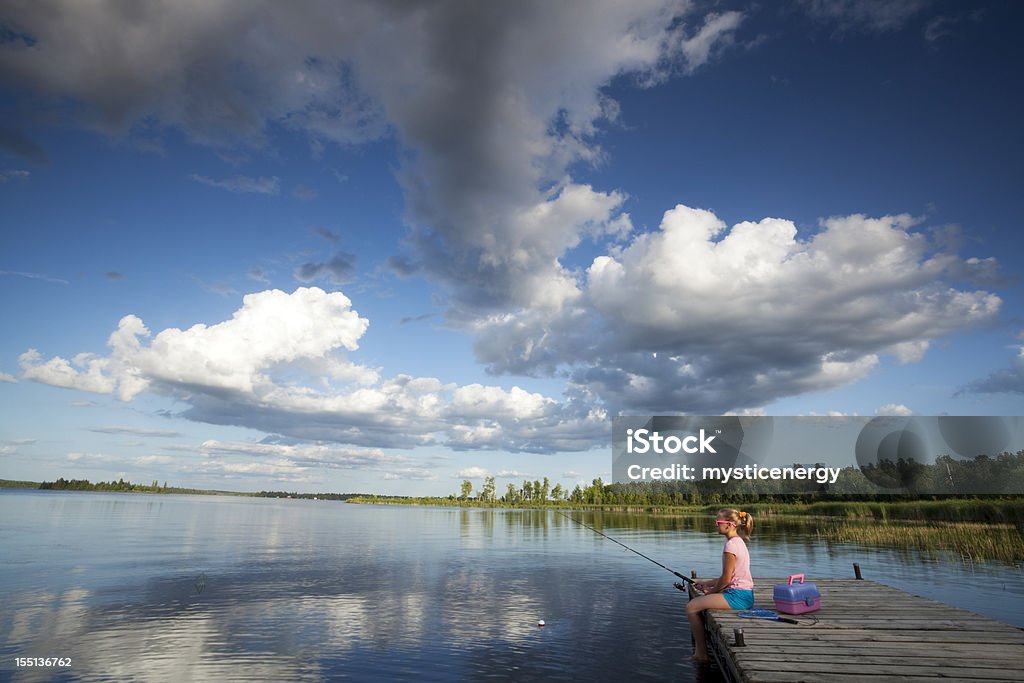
x=159, y=587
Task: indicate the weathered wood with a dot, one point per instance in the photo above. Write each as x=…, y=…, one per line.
x=866, y=631
x=884, y=657
x=788, y=677
x=853, y=636
x=894, y=670
x=840, y=650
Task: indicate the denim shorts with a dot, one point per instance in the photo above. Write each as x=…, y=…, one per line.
x=738, y=599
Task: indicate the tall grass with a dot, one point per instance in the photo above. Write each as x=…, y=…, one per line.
x=998, y=511
x=971, y=541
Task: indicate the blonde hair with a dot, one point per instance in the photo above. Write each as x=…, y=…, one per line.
x=744, y=521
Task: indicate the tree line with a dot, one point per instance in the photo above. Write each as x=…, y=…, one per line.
x=887, y=480
x=63, y=484
x=122, y=486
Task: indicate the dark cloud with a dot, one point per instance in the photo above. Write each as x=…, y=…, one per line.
x=341, y=268
x=258, y=274
x=493, y=103
x=326, y=234
x=568, y=427
x=126, y=65
x=17, y=143
x=402, y=266
x=1005, y=381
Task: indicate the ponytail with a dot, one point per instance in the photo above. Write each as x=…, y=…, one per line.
x=744, y=521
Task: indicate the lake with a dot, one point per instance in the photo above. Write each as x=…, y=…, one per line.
x=169, y=587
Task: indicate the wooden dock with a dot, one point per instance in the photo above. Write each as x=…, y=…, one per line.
x=865, y=631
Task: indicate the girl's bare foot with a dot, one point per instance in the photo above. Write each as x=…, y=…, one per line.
x=700, y=659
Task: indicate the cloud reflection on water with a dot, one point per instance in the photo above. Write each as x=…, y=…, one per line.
x=336, y=590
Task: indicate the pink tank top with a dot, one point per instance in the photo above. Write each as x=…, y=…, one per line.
x=741, y=578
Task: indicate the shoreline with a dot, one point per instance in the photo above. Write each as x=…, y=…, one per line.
x=1006, y=509
x=974, y=529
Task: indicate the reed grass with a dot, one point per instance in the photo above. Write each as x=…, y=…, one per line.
x=997, y=510
x=972, y=541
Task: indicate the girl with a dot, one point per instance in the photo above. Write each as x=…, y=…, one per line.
x=734, y=589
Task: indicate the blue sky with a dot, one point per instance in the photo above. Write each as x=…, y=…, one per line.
x=378, y=247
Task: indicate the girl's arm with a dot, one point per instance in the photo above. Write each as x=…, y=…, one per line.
x=728, y=567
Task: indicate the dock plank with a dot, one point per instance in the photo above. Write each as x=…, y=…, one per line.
x=890, y=669
x=878, y=657
x=866, y=631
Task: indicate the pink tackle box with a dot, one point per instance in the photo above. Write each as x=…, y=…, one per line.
x=796, y=598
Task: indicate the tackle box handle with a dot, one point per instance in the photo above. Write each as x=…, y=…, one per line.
x=795, y=576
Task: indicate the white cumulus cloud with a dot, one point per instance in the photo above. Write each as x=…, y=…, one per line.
x=472, y=473
x=897, y=409
x=699, y=317
x=279, y=365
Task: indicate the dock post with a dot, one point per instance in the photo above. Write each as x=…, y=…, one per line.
x=738, y=635
x=856, y=571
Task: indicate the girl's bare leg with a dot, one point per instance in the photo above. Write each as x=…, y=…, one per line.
x=694, y=614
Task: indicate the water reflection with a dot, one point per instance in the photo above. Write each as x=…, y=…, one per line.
x=783, y=546
x=304, y=590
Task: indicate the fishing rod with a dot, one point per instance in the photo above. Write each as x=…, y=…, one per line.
x=687, y=579
x=768, y=615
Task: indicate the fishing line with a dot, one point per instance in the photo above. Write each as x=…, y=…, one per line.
x=684, y=578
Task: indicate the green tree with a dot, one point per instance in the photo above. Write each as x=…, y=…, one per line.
x=577, y=494
x=487, y=492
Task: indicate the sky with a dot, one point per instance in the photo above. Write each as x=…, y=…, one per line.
x=386, y=246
